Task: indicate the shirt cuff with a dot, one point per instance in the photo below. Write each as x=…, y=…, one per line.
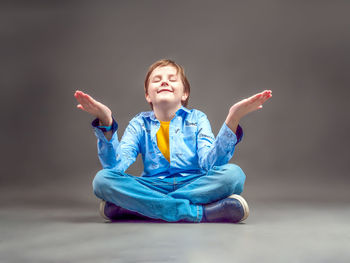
x=96, y=122
x=239, y=133
x=231, y=137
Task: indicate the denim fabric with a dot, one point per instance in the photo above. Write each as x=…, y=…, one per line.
x=193, y=147
x=174, y=198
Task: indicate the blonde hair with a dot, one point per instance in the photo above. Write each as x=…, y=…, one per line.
x=179, y=70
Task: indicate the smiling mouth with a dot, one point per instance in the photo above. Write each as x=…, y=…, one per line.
x=164, y=90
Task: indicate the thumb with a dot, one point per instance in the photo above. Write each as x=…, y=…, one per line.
x=79, y=106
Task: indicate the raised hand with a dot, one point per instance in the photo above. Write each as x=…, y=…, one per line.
x=255, y=102
x=95, y=108
x=243, y=107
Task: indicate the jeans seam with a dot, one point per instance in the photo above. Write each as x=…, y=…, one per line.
x=197, y=213
x=156, y=183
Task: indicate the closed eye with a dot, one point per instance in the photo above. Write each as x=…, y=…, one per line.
x=171, y=78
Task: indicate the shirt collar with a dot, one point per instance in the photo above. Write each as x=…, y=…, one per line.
x=178, y=112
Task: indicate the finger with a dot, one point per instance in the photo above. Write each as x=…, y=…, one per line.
x=79, y=96
x=79, y=106
x=258, y=99
x=259, y=103
x=83, y=105
x=83, y=95
x=266, y=99
x=90, y=99
x=85, y=108
x=87, y=96
x=78, y=93
x=266, y=93
x=255, y=97
x=269, y=95
x=79, y=99
x=83, y=99
x=84, y=102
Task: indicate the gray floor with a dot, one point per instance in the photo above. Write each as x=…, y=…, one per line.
x=278, y=232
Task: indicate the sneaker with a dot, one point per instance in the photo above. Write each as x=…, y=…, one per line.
x=232, y=209
x=102, y=210
x=110, y=211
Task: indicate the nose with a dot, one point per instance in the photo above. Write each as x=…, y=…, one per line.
x=164, y=83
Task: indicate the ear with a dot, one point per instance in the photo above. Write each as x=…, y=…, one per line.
x=184, y=96
x=147, y=98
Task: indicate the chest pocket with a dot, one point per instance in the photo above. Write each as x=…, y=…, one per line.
x=189, y=137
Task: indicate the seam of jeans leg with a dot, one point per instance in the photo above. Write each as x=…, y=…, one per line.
x=197, y=213
x=156, y=183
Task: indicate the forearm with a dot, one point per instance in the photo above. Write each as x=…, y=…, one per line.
x=218, y=154
x=232, y=121
x=106, y=151
x=117, y=154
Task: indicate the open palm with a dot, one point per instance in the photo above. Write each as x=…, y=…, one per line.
x=250, y=104
x=95, y=108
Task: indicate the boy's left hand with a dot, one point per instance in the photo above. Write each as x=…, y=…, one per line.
x=255, y=102
x=243, y=107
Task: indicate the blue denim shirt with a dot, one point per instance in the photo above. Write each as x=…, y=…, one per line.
x=193, y=147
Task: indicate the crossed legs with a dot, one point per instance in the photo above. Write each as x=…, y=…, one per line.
x=168, y=199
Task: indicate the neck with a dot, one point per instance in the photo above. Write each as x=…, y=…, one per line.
x=165, y=114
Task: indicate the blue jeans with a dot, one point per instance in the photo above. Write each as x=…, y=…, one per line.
x=172, y=199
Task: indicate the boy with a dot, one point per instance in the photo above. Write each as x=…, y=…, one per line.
x=186, y=174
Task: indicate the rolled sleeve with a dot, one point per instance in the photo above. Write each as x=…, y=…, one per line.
x=228, y=137
x=95, y=123
x=98, y=131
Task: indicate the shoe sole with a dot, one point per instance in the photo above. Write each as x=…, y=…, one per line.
x=102, y=210
x=244, y=205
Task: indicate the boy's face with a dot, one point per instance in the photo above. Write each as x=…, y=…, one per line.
x=165, y=87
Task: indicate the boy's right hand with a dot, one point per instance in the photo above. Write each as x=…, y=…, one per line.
x=95, y=108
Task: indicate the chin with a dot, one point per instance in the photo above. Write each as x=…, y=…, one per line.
x=166, y=103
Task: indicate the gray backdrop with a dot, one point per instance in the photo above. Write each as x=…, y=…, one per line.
x=295, y=149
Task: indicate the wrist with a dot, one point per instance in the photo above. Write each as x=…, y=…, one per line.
x=232, y=118
x=105, y=122
x=232, y=122
x=105, y=125
x=105, y=128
